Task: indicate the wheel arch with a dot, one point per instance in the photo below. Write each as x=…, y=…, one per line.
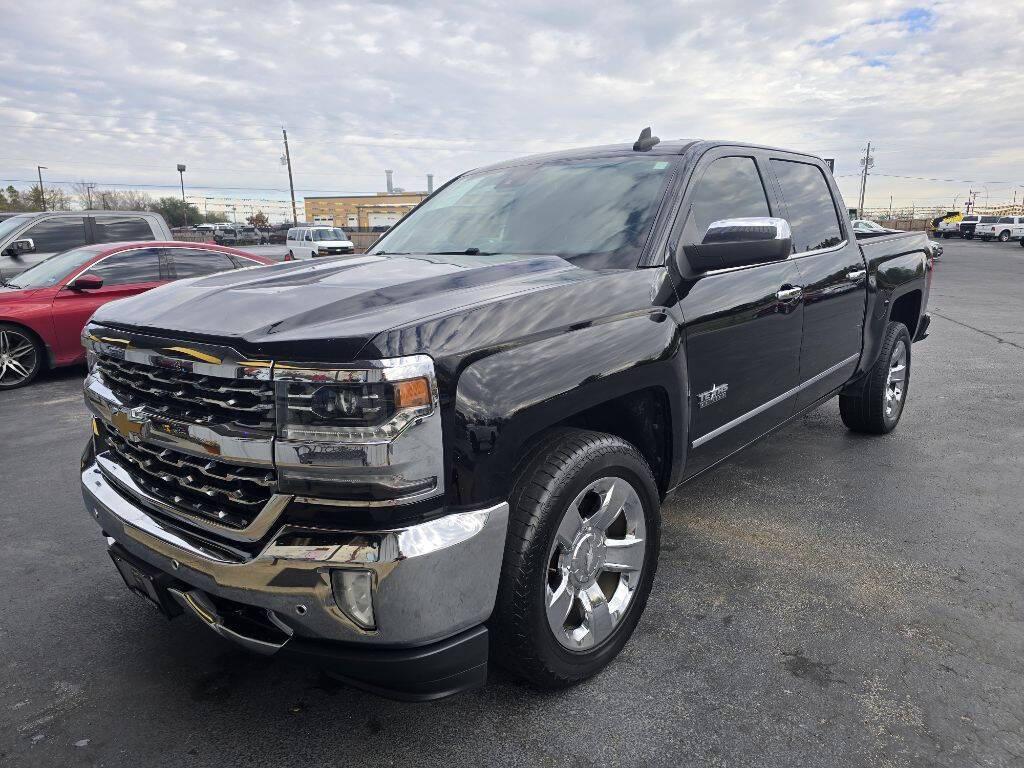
x=625, y=378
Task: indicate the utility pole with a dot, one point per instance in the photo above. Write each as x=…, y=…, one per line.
x=866, y=162
x=42, y=192
x=88, y=194
x=181, y=174
x=291, y=185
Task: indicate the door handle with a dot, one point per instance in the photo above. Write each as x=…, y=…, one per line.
x=857, y=275
x=789, y=294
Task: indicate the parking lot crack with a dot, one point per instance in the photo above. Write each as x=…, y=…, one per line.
x=991, y=335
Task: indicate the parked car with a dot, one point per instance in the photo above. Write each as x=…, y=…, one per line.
x=983, y=229
x=44, y=308
x=237, y=236
x=311, y=242
x=958, y=226
x=458, y=444
x=28, y=238
x=1002, y=229
x=278, y=235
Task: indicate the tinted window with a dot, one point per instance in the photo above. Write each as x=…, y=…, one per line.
x=116, y=230
x=191, y=262
x=60, y=234
x=595, y=212
x=812, y=215
x=129, y=267
x=291, y=234
x=306, y=235
x=987, y=220
x=731, y=188
x=1006, y=220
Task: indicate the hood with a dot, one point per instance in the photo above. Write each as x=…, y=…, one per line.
x=329, y=310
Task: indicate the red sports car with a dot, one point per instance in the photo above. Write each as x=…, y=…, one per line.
x=44, y=309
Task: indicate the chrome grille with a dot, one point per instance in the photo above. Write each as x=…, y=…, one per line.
x=226, y=493
x=190, y=397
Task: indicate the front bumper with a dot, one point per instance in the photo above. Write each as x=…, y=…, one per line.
x=434, y=585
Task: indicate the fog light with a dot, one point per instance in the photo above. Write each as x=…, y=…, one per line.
x=353, y=592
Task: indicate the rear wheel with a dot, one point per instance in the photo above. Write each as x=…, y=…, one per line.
x=21, y=356
x=875, y=404
x=1004, y=236
x=580, y=557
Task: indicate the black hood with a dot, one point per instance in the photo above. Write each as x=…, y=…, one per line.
x=330, y=309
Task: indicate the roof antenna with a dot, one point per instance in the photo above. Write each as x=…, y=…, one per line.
x=646, y=141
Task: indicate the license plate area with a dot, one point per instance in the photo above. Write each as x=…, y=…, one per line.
x=146, y=581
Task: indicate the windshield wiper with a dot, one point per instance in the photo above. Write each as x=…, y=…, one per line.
x=7, y=283
x=467, y=252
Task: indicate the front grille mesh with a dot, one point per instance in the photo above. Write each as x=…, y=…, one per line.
x=190, y=397
x=226, y=493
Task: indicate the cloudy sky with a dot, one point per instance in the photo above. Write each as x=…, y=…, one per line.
x=119, y=93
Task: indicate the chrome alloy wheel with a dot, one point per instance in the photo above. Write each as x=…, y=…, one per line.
x=595, y=563
x=17, y=358
x=897, y=381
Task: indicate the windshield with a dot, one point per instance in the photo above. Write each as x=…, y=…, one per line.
x=594, y=212
x=54, y=269
x=11, y=224
x=328, y=234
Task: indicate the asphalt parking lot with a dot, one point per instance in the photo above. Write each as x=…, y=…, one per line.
x=825, y=599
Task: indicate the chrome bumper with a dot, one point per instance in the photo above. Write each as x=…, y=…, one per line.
x=431, y=580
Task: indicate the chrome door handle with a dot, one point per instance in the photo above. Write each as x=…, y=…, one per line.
x=789, y=294
x=856, y=275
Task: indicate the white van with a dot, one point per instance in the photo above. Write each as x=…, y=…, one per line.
x=311, y=242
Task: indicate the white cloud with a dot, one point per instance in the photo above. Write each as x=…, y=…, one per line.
x=124, y=95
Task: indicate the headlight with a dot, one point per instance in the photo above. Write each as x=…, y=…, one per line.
x=351, y=405
x=367, y=433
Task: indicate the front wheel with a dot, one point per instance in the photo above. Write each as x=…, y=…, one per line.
x=21, y=357
x=875, y=404
x=580, y=557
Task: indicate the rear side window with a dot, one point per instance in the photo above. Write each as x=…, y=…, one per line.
x=1006, y=220
x=987, y=220
x=192, y=262
x=812, y=214
x=121, y=228
x=52, y=235
x=730, y=188
x=129, y=267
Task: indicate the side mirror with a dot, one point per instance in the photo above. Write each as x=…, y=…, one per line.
x=741, y=242
x=24, y=245
x=86, y=283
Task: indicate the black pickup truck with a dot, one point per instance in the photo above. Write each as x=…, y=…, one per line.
x=453, y=449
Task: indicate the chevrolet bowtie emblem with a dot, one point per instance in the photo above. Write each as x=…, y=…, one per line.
x=129, y=424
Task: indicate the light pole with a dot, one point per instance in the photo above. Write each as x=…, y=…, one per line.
x=181, y=174
x=42, y=192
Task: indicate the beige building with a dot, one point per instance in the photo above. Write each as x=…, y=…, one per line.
x=361, y=211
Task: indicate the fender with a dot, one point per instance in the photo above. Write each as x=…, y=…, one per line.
x=889, y=278
x=506, y=400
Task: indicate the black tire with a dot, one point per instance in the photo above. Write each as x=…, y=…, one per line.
x=1021, y=242
x=1004, y=236
x=986, y=239
x=21, y=356
x=546, y=481
x=864, y=406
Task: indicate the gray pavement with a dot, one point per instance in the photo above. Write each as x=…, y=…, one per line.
x=824, y=599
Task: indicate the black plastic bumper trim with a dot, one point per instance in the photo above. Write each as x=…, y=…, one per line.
x=922, y=327
x=424, y=673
